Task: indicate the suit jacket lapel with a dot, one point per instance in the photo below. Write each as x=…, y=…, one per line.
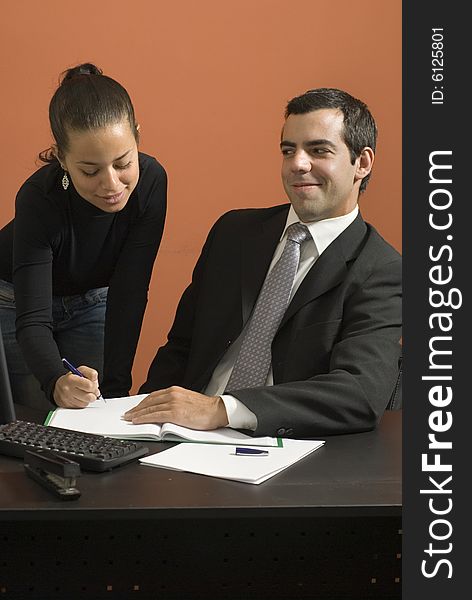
x=258, y=247
x=330, y=269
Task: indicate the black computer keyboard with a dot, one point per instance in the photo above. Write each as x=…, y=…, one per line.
x=92, y=452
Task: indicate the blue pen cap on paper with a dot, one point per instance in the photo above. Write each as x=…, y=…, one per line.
x=251, y=452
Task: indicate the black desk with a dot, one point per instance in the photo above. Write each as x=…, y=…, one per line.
x=329, y=527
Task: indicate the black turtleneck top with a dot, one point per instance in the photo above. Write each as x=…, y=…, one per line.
x=59, y=244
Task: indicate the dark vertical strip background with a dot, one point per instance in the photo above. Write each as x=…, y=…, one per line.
x=427, y=128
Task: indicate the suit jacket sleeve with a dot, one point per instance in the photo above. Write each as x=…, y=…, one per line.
x=170, y=365
x=352, y=394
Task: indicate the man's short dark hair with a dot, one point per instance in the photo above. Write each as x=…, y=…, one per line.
x=360, y=129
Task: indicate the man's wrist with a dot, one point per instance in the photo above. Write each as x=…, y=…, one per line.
x=239, y=415
x=221, y=413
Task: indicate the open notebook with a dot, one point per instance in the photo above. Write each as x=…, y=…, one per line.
x=106, y=418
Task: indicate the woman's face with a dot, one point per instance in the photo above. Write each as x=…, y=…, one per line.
x=103, y=165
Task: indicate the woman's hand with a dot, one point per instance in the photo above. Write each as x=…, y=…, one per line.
x=73, y=391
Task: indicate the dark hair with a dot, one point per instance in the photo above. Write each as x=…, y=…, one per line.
x=86, y=99
x=360, y=129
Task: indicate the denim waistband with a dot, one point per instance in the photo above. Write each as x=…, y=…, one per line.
x=91, y=296
x=6, y=290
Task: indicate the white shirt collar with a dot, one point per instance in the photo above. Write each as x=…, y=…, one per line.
x=326, y=231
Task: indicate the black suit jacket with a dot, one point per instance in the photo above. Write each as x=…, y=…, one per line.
x=335, y=355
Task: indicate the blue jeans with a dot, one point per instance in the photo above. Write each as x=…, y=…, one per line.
x=78, y=330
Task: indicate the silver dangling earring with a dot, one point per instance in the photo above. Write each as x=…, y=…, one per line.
x=65, y=181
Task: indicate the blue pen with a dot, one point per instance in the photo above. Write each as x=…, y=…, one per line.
x=251, y=452
x=76, y=371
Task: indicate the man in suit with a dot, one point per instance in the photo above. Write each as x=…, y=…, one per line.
x=333, y=360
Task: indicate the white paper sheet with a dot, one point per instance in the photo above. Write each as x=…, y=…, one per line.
x=221, y=461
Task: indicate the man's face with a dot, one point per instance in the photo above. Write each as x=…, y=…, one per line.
x=317, y=173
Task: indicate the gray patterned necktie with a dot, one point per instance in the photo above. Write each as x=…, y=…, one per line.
x=253, y=362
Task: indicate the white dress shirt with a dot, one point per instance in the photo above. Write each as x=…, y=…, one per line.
x=322, y=234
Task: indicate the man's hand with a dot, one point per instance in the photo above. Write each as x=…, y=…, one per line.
x=182, y=407
x=73, y=391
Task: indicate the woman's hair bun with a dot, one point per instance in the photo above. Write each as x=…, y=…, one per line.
x=84, y=69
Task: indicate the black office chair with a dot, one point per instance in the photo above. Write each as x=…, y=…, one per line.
x=395, y=402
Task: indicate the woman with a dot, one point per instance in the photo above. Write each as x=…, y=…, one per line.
x=76, y=261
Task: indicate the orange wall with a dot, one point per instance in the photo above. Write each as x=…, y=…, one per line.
x=209, y=80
